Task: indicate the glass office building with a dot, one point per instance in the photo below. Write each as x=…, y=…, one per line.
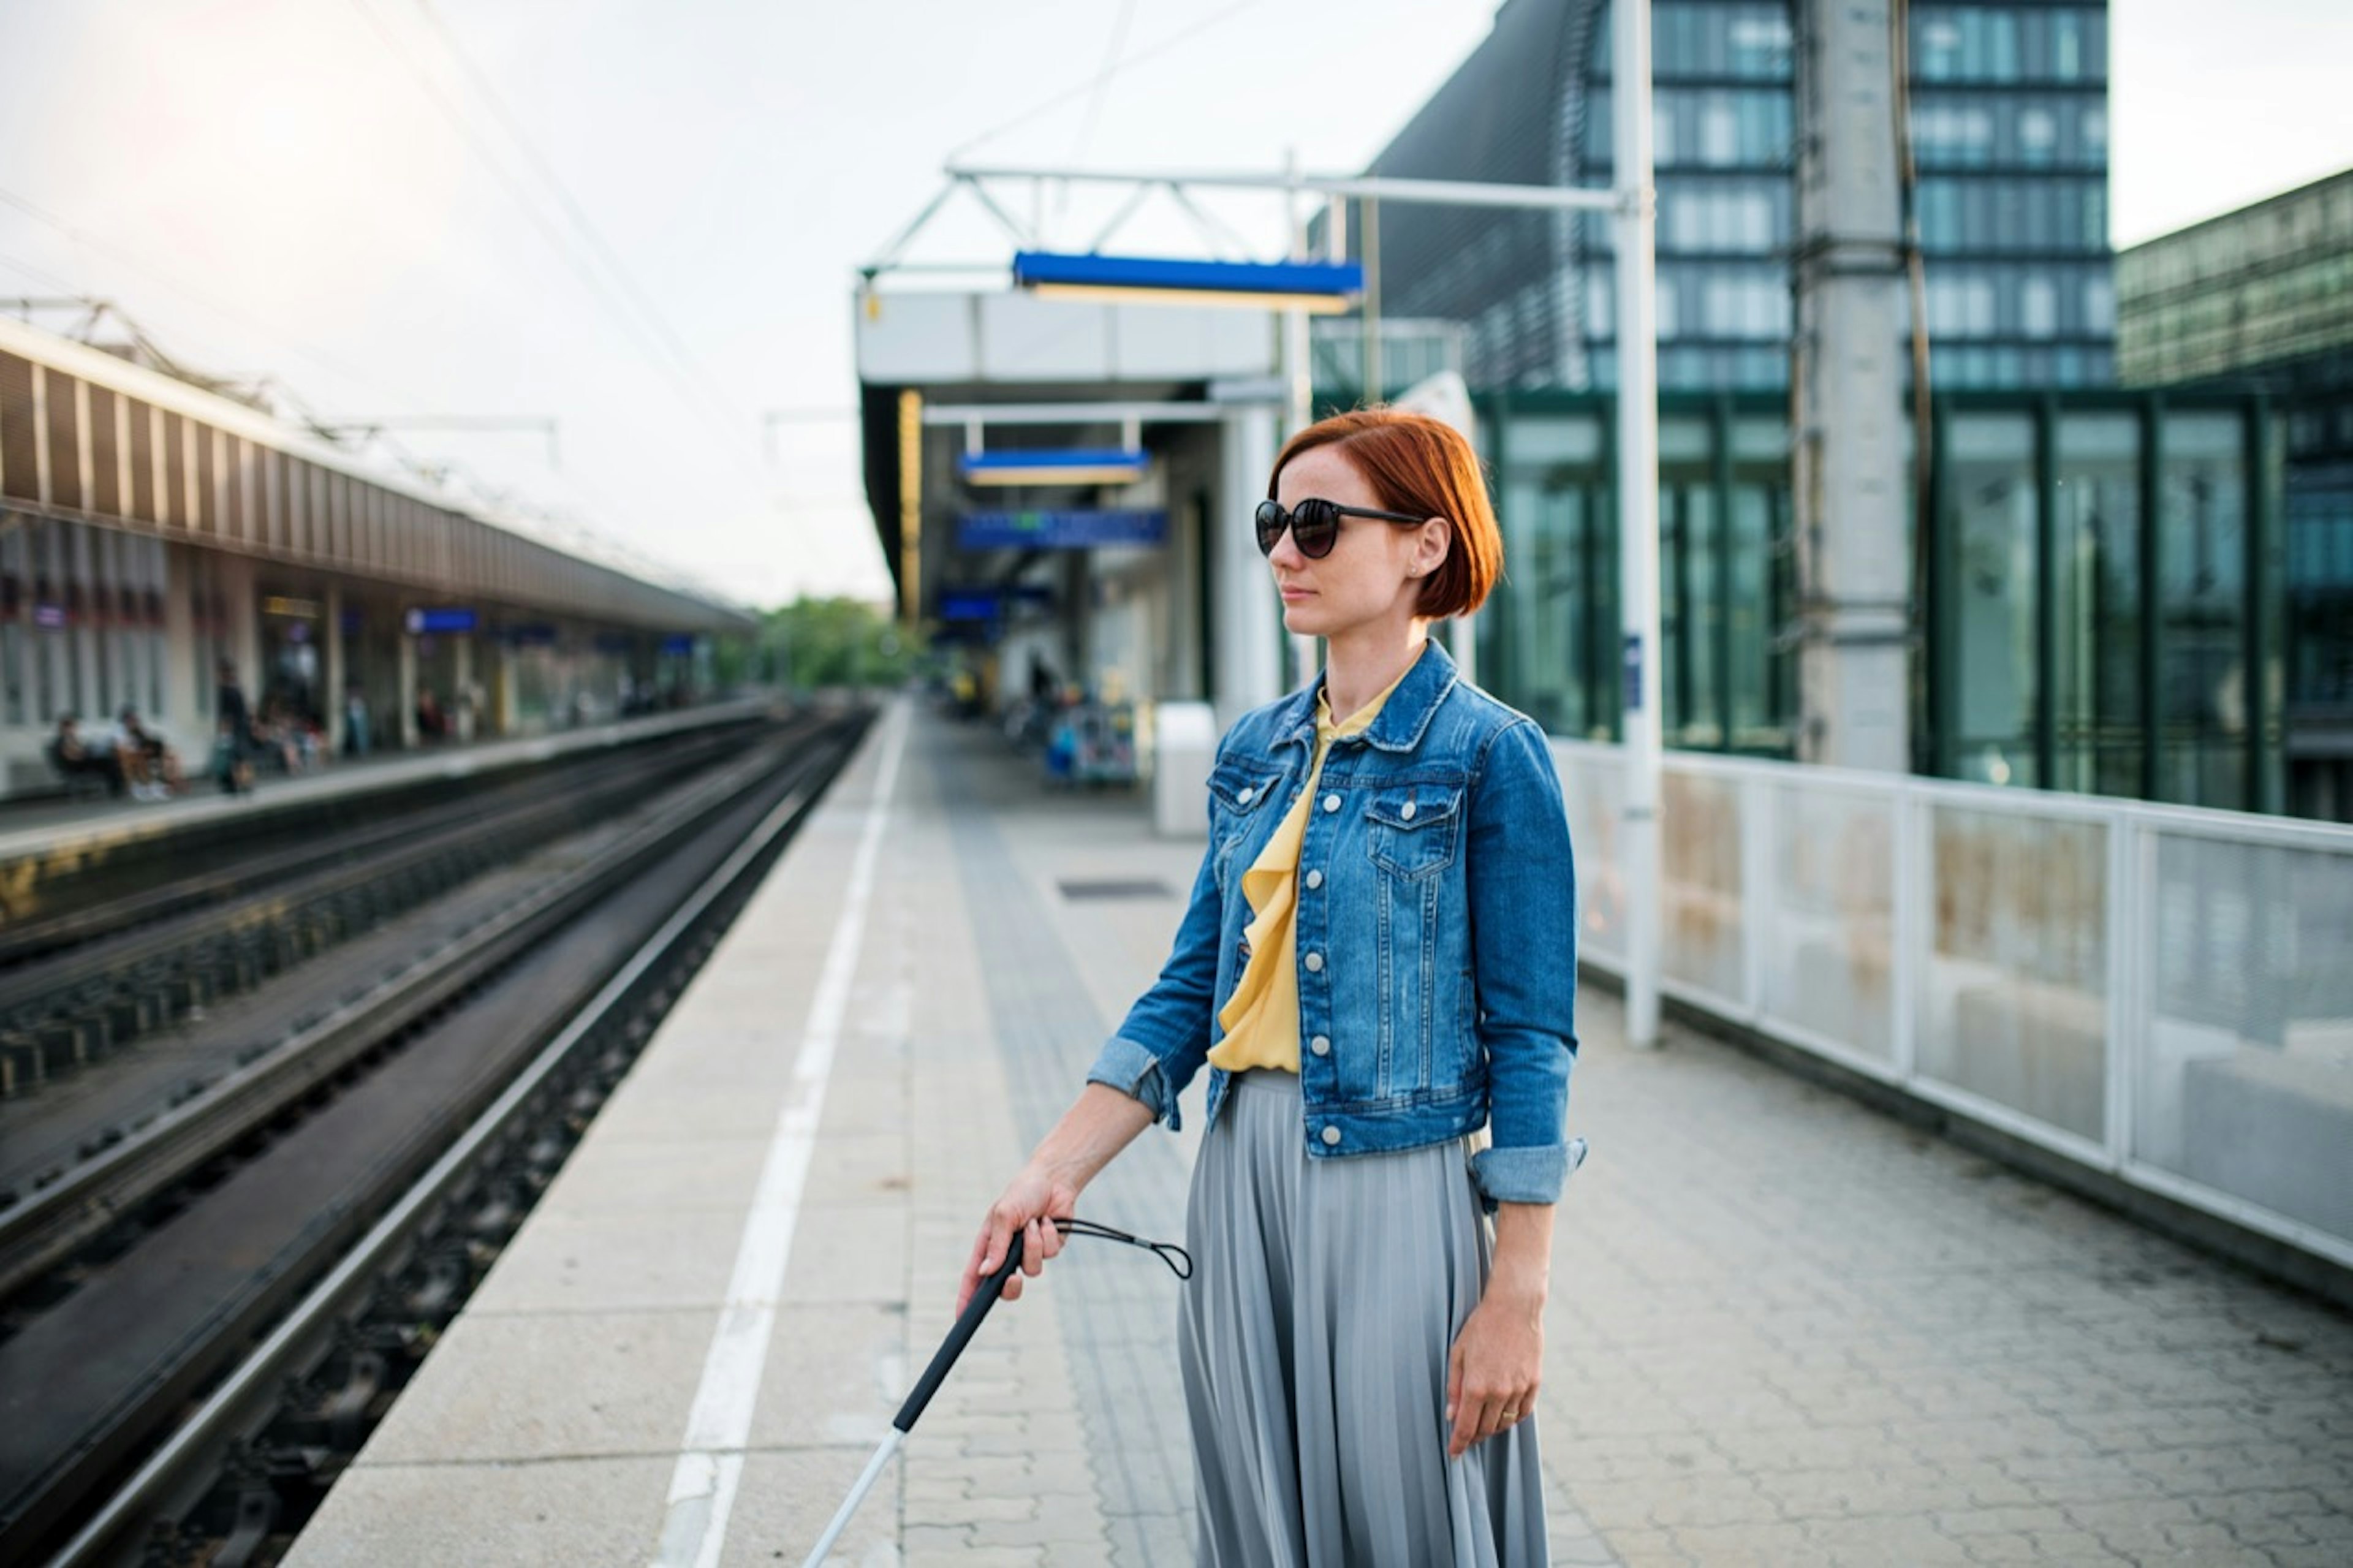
x=2261, y=298
x=2102, y=605
x=2009, y=123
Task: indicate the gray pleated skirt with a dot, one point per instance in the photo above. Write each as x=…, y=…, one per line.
x=1315, y=1335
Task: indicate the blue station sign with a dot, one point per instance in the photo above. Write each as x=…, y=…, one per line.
x=440, y=619
x=1074, y=530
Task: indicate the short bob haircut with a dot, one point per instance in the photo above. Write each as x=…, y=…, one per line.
x=1416, y=464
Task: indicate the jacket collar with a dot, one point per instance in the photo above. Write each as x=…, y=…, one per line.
x=1403, y=718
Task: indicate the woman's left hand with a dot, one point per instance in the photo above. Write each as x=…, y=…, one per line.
x=1494, y=1369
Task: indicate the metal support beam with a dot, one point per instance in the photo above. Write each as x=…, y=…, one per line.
x=1636, y=281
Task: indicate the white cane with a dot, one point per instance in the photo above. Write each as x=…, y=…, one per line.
x=983, y=1298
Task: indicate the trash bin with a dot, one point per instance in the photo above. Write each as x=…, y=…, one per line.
x=1184, y=744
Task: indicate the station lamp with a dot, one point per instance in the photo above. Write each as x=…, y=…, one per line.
x=1319, y=287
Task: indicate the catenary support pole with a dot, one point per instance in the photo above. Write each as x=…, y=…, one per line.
x=1299, y=404
x=1638, y=509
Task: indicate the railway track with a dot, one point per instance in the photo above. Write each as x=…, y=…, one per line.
x=147, y=962
x=375, y=1154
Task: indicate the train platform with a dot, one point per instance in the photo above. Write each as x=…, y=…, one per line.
x=53, y=837
x=1783, y=1328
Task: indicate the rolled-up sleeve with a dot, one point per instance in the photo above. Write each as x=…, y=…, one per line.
x=1164, y=1038
x=1522, y=892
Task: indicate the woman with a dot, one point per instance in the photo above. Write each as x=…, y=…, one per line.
x=1377, y=962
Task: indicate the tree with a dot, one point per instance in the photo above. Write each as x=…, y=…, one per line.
x=831, y=642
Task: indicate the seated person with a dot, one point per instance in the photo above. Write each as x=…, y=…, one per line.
x=274, y=736
x=74, y=755
x=148, y=760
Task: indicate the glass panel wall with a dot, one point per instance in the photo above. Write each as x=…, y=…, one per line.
x=1548, y=640
x=2202, y=599
x=1989, y=466
x=2043, y=668
x=2096, y=671
x=2013, y=1006
x=1541, y=635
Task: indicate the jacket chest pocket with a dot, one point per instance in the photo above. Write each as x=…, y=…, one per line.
x=1413, y=830
x=1238, y=796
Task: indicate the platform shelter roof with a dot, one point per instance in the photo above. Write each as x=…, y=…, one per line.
x=89, y=437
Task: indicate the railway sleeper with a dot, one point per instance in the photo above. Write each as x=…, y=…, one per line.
x=62, y=1047
x=430, y=1290
x=22, y=1067
x=257, y=1521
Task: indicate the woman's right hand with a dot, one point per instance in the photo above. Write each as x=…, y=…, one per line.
x=1030, y=1202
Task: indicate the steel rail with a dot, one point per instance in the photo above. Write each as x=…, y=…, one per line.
x=21, y=940
x=315, y=1315
x=39, y=1233
x=448, y=831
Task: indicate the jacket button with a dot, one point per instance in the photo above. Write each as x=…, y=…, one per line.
x=1321, y=1044
x=1331, y=803
x=1330, y=1136
x=1245, y=796
x=1407, y=813
x=1314, y=962
x=1314, y=881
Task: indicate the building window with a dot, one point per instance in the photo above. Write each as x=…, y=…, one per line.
x=1718, y=219
x=1960, y=305
x=1952, y=135
x=2038, y=307
x=2099, y=305
x=2038, y=136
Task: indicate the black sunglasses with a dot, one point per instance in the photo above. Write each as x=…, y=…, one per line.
x=1314, y=524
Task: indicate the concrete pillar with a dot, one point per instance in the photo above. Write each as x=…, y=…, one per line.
x=505, y=711
x=332, y=697
x=187, y=683
x=407, y=716
x=460, y=705
x=1247, y=662
x=1853, y=534
x=234, y=574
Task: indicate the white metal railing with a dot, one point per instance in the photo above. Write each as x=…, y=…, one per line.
x=2162, y=993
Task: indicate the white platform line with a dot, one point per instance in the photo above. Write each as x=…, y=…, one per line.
x=718, y=1427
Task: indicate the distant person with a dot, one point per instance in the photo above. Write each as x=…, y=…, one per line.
x=432, y=724
x=77, y=755
x=1378, y=968
x=355, y=722
x=232, y=733
x=148, y=760
x=278, y=733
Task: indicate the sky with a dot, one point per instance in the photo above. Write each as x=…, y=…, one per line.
x=642, y=218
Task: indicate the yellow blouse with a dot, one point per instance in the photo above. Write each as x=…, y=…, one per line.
x=1262, y=1017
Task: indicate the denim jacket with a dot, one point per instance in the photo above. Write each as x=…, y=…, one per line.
x=1437, y=933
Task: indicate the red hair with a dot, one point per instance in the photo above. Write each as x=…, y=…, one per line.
x=1419, y=465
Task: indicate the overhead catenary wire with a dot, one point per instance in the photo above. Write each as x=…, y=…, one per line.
x=1096, y=82
x=574, y=209
x=1102, y=80
x=695, y=393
